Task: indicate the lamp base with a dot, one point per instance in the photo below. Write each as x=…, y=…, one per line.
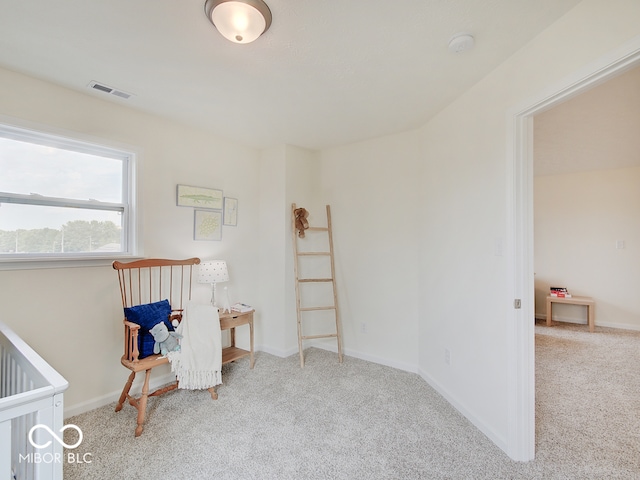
x=226, y=304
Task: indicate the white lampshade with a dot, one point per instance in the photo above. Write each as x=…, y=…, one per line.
x=213, y=271
x=239, y=21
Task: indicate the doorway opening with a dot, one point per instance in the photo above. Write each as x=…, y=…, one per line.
x=520, y=325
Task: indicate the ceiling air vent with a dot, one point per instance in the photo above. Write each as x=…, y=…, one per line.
x=109, y=90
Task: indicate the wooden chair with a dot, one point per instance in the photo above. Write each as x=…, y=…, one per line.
x=145, y=282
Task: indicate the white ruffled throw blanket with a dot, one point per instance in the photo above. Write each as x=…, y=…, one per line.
x=198, y=364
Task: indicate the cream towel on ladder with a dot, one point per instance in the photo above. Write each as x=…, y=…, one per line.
x=198, y=364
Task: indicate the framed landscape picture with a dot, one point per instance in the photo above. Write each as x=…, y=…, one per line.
x=200, y=197
x=207, y=225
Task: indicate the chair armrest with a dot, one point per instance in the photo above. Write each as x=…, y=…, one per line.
x=131, y=325
x=131, y=351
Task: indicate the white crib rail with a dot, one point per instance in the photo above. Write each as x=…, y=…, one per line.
x=31, y=393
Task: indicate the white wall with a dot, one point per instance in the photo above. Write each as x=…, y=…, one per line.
x=578, y=220
x=464, y=216
x=272, y=262
x=375, y=191
x=302, y=179
x=73, y=316
x=287, y=175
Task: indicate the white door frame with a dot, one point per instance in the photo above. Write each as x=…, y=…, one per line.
x=520, y=322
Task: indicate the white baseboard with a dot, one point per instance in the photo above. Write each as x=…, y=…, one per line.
x=107, y=398
x=621, y=326
x=369, y=358
x=499, y=440
x=352, y=353
x=581, y=321
x=277, y=352
x=332, y=347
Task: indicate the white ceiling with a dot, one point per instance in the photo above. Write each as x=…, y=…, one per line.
x=597, y=130
x=327, y=72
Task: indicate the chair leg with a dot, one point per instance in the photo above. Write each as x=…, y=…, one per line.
x=214, y=394
x=142, y=403
x=125, y=391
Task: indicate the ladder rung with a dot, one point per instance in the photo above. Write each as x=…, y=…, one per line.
x=310, y=309
x=300, y=254
x=318, y=229
x=309, y=337
x=308, y=280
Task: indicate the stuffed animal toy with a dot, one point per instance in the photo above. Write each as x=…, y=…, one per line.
x=302, y=224
x=166, y=341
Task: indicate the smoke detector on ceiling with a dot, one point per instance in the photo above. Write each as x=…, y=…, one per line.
x=101, y=87
x=461, y=42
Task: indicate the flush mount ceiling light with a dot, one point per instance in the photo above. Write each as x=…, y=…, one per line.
x=461, y=42
x=239, y=21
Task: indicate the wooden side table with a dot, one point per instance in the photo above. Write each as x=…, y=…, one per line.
x=229, y=321
x=585, y=301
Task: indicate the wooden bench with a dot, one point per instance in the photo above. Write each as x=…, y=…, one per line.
x=585, y=301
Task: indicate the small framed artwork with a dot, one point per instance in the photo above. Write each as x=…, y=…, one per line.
x=199, y=197
x=207, y=225
x=230, y=211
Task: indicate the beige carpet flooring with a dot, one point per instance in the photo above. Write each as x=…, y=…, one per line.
x=360, y=420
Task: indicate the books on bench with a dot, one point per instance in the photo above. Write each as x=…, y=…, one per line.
x=560, y=292
x=241, y=307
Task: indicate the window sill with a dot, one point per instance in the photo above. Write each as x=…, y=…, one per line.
x=37, y=263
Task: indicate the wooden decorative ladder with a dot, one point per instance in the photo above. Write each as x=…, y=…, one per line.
x=299, y=308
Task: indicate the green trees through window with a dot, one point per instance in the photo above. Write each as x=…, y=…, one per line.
x=77, y=236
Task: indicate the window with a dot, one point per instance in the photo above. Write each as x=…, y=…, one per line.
x=61, y=198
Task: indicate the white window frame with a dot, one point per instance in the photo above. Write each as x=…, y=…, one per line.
x=129, y=156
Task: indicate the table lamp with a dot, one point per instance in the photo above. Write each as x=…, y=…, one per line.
x=213, y=271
